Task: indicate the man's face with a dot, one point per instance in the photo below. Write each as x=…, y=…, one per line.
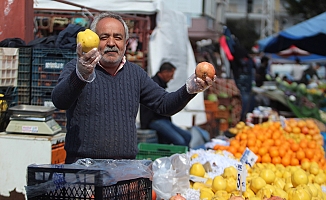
x=112, y=41
x=168, y=75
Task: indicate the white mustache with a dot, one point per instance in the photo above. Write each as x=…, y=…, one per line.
x=109, y=49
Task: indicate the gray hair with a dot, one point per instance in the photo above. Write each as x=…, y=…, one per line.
x=109, y=15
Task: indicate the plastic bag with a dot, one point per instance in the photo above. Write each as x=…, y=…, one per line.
x=171, y=175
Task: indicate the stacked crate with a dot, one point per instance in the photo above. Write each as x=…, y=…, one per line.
x=47, y=65
x=8, y=82
x=24, y=76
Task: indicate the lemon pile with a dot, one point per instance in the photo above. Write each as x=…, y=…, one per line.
x=264, y=180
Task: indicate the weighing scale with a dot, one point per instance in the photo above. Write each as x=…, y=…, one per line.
x=31, y=119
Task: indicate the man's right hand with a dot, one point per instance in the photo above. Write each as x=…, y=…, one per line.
x=86, y=62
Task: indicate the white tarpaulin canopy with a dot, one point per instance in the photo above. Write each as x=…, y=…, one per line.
x=168, y=42
x=121, y=6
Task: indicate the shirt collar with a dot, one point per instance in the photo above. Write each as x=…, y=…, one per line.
x=123, y=61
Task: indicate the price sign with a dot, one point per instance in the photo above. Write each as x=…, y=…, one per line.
x=241, y=177
x=248, y=157
x=282, y=120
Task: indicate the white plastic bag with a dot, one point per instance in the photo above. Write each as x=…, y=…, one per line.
x=171, y=175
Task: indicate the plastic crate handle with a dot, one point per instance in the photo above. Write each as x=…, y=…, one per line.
x=164, y=150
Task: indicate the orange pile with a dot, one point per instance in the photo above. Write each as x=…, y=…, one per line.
x=300, y=140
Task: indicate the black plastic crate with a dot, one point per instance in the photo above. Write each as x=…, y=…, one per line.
x=47, y=65
x=24, y=76
x=88, y=185
x=47, y=60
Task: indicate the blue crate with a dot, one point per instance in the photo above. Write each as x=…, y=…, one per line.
x=324, y=136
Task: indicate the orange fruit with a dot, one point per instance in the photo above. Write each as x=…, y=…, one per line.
x=301, y=123
x=288, y=129
x=154, y=195
x=276, y=160
x=312, y=144
x=266, y=159
x=294, y=162
x=241, y=149
x=254, y=149
x=278, y=142
x=296, y=130
x=305, y=130
x=260, y=137
x=310, y=124
x=309, y=153
x=243, y=136
x=304, y=160
x=276, y=135
x=262, y=151
x=238, y=155
x=300, y=154
x=286, y=161
x=282, y=152
x=234, y=142
x=251, y=143
x=232, y=150
x=273, y=152
x=313, y=131
x=303, y=144
x=295, y=147
x=258, y=143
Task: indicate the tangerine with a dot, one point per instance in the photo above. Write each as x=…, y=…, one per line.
x=266, y=159
x=232, y=150
x=301, y=123
x=276, y=160
x=288, y=129
x=282, y=152
x=278, y=142
x=305, y=130
x=300, y=154
x=312, y=144
x=295, y=147
x=309, y=153
x=296, y=130
x=303, y=144
x=294, y=162
x=273, y=152
x=262, y=151
x=251, y=143
x=286, y=161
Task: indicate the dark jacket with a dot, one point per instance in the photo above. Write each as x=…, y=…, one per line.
x=147, y=115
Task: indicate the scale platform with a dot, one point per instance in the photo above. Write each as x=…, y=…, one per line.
x=30, y=119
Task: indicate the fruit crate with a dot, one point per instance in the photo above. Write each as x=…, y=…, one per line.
x=87, y=184
x=8, y=66
x=24, y=76
x=152, y=151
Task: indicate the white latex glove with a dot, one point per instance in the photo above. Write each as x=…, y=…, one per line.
x=195, y=84
x=86, y=62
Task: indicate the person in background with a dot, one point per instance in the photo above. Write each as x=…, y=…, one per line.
x=168, y=133
x=261, y=71
x=309, y=73
x=101, y=92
